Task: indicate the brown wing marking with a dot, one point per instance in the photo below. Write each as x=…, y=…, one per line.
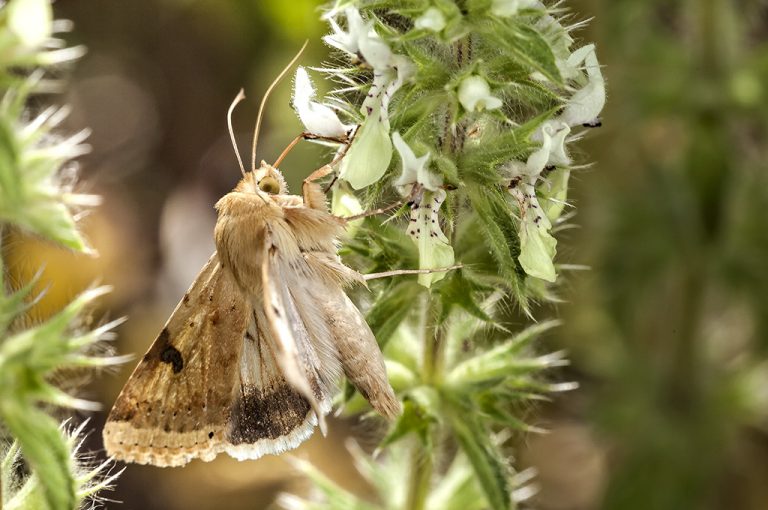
x=269, y=416
x=177, y=403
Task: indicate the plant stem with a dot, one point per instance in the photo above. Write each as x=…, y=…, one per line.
x=432, y=334
x=421, y=458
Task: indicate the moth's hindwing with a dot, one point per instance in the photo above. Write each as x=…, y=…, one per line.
x=360, y=355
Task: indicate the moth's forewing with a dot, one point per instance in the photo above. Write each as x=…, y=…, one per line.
x=177, y=403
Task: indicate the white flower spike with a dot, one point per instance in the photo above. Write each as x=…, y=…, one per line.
x=475, y=94
x=433, y=20
x=317, y=118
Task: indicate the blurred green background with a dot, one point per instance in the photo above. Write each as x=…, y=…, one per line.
x=666, y=332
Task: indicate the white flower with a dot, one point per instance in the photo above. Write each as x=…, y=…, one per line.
x=475, y=94
x=435, y=251
x=537, y=246
x=552, y=134
x=317, y=118
x=371, y=151
x=506, y=8
x=361, y=39
x=433, y=19
x=415, y=170
x=585, y=105
x=30, y=20
x=346, y=41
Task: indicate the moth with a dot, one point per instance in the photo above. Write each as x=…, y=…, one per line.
x=250, y=358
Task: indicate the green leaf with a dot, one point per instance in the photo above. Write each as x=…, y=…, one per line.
x=526, y=44
x=503, y=361
x=392, y=307
x=45, y=449
x=498, y=227
x=487, y=461
x=460, y=290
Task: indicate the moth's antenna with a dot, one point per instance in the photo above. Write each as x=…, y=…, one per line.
x=240, y=97
x=264, y=100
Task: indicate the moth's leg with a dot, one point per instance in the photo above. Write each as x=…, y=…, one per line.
x=400, y=272
x=374, y=212
x=411, y=199
x=309, y=136
x=313, y=193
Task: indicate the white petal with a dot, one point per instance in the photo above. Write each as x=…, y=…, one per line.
x=433, y=19
x=303, y=90
x=317, y=118
x=539, y=159
x=537, y=246
x=30, y=20
x=344, y=41
x=587, y=103
x=475, y=94
x=374, y=50
x=558, y=154
x=415, y=170
x=506, y=8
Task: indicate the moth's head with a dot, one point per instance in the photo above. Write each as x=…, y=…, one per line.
x=265, y=179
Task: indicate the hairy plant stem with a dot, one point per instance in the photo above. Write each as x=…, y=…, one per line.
x=421, y=459
x=432, y=335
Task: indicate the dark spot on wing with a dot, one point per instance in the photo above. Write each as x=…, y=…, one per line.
x=172, y=356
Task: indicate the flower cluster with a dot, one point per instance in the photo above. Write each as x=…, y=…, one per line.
x=475, y=95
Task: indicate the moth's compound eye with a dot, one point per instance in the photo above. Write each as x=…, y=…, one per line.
x=269, y=185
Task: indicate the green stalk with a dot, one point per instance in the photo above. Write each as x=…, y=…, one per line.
x=421, y=460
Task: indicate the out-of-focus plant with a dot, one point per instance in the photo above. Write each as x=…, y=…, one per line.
x=673, y=328
x=462, y=113
x=41, y=465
